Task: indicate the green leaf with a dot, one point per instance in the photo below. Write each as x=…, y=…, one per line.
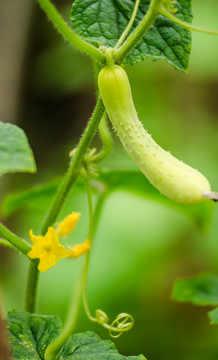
x=30, y=334
x=213, y=316
x=199, y=290
x=129, y=180
x=15, y=152
x=36, y=197
x=101, y=22
x=88, y=346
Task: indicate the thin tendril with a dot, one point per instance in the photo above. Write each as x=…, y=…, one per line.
x=129, y=26
x=176, y=20
x=124, y=321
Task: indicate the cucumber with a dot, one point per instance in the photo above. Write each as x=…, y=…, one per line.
x=174, y=179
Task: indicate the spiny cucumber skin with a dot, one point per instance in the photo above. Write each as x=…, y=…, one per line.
x=174, y=179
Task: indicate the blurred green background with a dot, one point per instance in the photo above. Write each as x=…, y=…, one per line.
x=141, y=246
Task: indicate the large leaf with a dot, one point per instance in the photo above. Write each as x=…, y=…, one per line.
x=15, y=152
x=101, y=22
x=130, y=180
x=199, y=290
x=88, y=346
x=30, y=335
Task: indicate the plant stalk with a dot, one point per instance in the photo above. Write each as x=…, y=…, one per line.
x=67, y=33
x=14, y=240
x=31, y=289
x=61, y=195
x=139, y=31
x=74, y=168
x=53, y=349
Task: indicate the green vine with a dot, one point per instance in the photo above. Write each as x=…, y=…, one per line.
x=139, y=32
x=67, y=33
x=14, y=240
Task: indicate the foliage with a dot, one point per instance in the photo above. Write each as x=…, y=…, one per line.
x=30, y=335
x=113, y=33
x=102, y=22
x=15, y=152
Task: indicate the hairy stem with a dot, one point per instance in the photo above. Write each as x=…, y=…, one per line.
x=31, y=289
x=61, y=195
x=74, y=168
x=67, y=33
x=139, y=31
x=14, y=240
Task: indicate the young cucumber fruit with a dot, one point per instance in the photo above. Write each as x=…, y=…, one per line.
x=170, y=176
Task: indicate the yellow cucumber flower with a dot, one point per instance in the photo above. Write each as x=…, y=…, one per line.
x=47, y=249
x=67, y=225
x=80, y=249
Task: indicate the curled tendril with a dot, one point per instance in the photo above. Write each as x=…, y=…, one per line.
x=122, y=323
x=101, y=317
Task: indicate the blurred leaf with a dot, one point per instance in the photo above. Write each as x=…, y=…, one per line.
x=199, y=290
x=15, y=152
x=103, y=21
x=213, y=315
x=134, y=181
x=34, y=197
x=129, y=180
x=88, y=345
x=30, y=334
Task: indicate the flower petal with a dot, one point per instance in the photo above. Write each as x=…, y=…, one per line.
x=35, y=239
x=67, y=225
x=78, y=250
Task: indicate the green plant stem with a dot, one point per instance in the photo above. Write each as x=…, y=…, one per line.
x=128, y=28
x=74, y=167
x=31, y=289
x=187, y=26
x=94, y=219
x=14, y=240
x=6, y=244
x=61, y=194
x=91, y=229
x=53, y=349
x=67, y=33
x=139, y=31
x=106, y=139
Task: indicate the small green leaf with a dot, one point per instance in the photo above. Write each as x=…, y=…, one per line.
x=88, y=346
x=103, y=21
x=30, y=334
x=15, y=152
x=199, y=290
x=213, y=316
